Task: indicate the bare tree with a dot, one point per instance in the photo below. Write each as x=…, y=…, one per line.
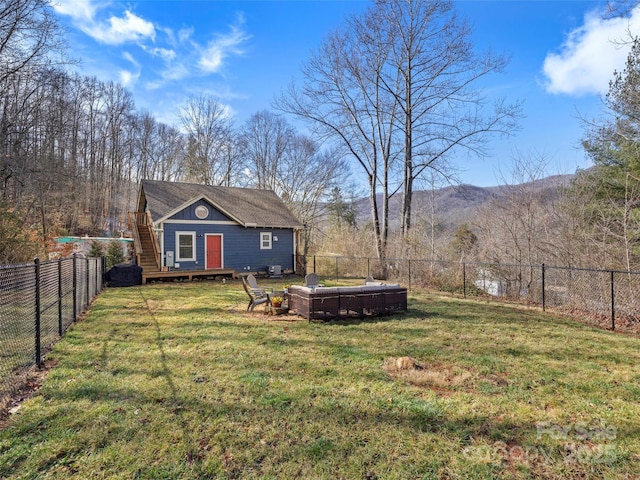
x=160, y=148
x=438, y=104
x=293, y=166
x=343, y=99
x=305, y=180
x=512, y=219
x=520, y=224
x=208, y=126
x=397, y=84
x=432, y=218
x=264, y=139
x=29, y=37
x=170, y=152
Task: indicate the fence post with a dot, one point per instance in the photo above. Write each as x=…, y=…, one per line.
x=60, y=297
x=337, y=269
x=613, y=307
x=368, y=266
x=543, y=298
x=314, y=264
x=37, y=307
x=86, y=279
x=464, y=280
x=75, y=288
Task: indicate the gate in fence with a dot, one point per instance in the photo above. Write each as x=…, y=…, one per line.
x=38, y=302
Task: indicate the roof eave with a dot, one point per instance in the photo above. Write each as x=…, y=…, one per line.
x=191, y=202
x=287, y=227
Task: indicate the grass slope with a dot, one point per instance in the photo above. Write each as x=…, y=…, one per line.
x=178, y=381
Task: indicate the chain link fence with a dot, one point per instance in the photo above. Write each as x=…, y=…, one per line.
x=604, y=298
x=38, y=302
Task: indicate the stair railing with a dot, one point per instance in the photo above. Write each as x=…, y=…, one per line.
x=137, y=219
x=133, y=226
x=154, y=240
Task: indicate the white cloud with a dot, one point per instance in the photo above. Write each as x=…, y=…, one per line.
x=119, y=30
x=589, y=56
x=79, y=10
x=184, y=34
x=155, y=85
x=127, y=78
x=217, y=50
x=165, y=56
x=127, y=56
x=176, y=72
x=114, y=31
x=164, y=53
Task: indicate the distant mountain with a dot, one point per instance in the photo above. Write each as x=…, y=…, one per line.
x=458, y=204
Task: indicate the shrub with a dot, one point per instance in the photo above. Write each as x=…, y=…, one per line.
x=115, y=254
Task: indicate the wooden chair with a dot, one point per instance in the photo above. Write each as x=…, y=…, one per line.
x=311, y=280
x=257, y=296
x=253, y=284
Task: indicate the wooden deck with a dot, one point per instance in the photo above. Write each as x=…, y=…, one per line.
x=186, y=274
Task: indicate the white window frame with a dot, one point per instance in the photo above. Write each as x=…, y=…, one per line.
x=179, y=258
x=268, y=245
x=204, y=210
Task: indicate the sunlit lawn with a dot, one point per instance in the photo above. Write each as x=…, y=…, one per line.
x=178, y=381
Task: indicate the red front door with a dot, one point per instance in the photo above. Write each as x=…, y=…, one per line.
x=214, y=251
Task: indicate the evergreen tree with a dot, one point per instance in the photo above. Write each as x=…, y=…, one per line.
x=95, y=249
x=115, y=253
x=612, y=188
x=342, y=212
x=463, y=243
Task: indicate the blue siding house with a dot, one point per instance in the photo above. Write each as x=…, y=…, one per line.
x=190, y=227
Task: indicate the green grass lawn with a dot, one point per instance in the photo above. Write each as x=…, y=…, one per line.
x=178, y=381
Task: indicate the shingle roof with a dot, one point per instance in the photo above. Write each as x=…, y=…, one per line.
x=248, y=206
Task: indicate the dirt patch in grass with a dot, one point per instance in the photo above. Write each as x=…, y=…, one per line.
x=28, y=383
x=261, y=314
x=438, y=377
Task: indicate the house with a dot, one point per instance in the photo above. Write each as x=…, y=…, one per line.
x=187, y=229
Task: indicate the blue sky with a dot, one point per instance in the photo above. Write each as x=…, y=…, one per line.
x=245, y=52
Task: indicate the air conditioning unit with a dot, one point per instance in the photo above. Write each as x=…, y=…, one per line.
x=275, y=271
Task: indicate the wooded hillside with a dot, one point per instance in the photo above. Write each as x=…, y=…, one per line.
x=74, y=148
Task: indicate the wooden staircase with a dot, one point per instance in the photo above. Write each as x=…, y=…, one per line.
x=147, y=259
x=145, y=244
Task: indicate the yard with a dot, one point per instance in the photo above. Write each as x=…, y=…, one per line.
x=179, y=381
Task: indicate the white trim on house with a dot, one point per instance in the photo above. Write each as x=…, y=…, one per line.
x=190, y=202
x=178, y=257
x=202, y=222
x=163, y=253
x=268, y=245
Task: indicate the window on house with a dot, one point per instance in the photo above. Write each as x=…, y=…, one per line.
x=186, y=246
x=265, y=240
x=202, y=212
